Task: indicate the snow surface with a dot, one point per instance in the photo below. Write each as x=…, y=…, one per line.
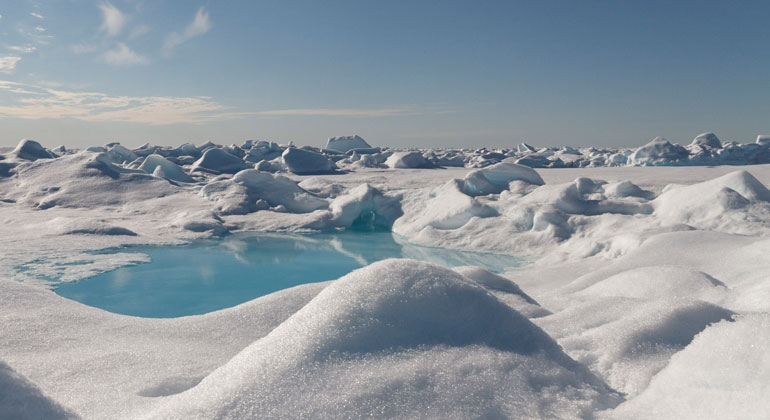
x=645, y=294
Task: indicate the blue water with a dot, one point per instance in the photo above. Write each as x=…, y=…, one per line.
x=214, y=274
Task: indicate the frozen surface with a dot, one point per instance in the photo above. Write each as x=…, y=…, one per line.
x=645, y=294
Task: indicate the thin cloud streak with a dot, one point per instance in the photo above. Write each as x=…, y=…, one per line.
x=38, y=102
x=8, y=63
x=23, y=49
x=123, y=56
x=113, y=19
x=199, y=26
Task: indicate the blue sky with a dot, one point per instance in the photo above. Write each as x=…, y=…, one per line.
x=425, y=73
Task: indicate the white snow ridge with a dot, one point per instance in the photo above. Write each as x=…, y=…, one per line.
x=643, y=292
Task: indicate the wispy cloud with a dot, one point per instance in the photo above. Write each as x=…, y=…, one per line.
x=38, y=102
x=113, y=19
x=37, y=15
x=123, y=56
x=37, y=35
x=50, y=101
x=199, y=26
x=8, y=63
x=23, y=49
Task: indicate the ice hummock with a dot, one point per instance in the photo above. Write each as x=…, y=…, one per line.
x=346, y=143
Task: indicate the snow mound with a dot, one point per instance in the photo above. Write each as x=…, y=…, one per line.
x=708, y=140
x=322, y=187
x=305, y=162
x=251, y=190
x=84, y=180
x=625, y=189
x=494, y=179
x=657, y=282
x=31, y=150
x=722, y=374
x=626, y=340
x=658, y=151
x=707, y=204
x=120, y=154
x=345, y=143
x=406, y=160
x=64, y=226
x=365, y=207
x=446, y=208
x=505, y=290
x=20, y=399
x=170, y=170
x=219, y=161
x=397, y=339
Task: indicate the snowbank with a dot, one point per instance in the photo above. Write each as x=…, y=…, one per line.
x=21, y=399
x=397, y=339
x=721, y=375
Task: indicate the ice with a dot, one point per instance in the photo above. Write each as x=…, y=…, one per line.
x=239, y=195
x=658, y=151
x=170, y=170
x=20, y=399
x=120, y=154
x=345, y=143
x=365, y=207
x=31, y=150
x=303, y=162
x=219, y=161
x=643, y=273
x=718, y=204
x=494, y=179
x=401, y=160
x=708, y=140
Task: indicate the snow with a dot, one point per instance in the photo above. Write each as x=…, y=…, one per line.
x=644, y=292
x=391, y=317
x=345, y=143
x=721, y=375
x=400, y=160
x=219, y=161
x=31, y=150
x=169, y=170
x=303, y=162
x=494, y=179
x=21, y=399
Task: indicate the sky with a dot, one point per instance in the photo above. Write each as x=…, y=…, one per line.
x=398, y=73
